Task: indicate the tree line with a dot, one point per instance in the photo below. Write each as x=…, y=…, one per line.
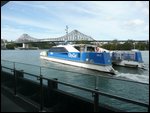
x=114, y=45
x=128, y=45
x=44, y=45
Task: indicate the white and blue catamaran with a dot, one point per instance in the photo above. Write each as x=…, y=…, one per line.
x=81, y=55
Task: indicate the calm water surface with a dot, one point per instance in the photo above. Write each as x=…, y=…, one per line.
x=88, y=78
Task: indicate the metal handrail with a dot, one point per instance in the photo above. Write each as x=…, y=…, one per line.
x=99, y=92
x=108, y=77
x=95, y=91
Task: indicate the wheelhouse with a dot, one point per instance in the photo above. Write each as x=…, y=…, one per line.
x=58, y=49
x=89, y=48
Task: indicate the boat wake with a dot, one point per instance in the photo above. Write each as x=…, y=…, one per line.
x=134, y=77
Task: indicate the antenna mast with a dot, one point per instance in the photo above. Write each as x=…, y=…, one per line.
x=66, y=31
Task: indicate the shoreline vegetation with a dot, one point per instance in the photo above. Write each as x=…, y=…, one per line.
x=114, y=45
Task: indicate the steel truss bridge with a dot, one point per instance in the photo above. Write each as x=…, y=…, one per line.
x=73, y=36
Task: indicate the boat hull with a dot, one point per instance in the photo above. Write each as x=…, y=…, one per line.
x=102, y=68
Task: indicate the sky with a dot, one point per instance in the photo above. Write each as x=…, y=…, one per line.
x=102, y=20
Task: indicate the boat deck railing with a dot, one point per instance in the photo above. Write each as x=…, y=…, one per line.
x=96, y=93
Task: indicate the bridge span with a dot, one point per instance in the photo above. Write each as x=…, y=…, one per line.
x=73, y=36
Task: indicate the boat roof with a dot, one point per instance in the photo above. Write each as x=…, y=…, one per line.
x=71, y=48
x=125, y=51
x=68, y=47
x=84, y=45
x=134, y=50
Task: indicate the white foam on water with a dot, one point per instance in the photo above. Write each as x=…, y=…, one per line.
x=134, y=77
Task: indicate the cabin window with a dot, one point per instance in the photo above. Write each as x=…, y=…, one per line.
x=91, y=49
x=77, y=47
x=58, y=49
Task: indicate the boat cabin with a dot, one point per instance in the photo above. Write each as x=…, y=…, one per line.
x=89, y=48
x=77, y=48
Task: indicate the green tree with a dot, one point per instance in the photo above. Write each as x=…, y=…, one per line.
x=11, y=46
x=142, y=46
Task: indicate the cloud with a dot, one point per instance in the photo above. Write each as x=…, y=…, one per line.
x=10, y=33
x=146, y=11
x=135, y=27
x=143, y=6
x=142, y=3
x=26, y=22
x=99, y=19
x=146, y=29
x=135, y=22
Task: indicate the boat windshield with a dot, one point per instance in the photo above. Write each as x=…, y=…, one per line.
x=90, y=49
x=77, y=47
x=84, y=48
x=58, y=49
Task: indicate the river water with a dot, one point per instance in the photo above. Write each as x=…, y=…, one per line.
x=88, y=78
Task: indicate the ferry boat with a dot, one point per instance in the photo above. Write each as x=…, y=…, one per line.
x=81, y=55
x=131, y=58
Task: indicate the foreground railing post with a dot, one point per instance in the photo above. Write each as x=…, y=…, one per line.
x=52, y=84
x=96, y=95
x=41, y=92
x=96, y=101
x=15, y=80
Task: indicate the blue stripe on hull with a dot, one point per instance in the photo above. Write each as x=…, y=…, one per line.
x=88, y=57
